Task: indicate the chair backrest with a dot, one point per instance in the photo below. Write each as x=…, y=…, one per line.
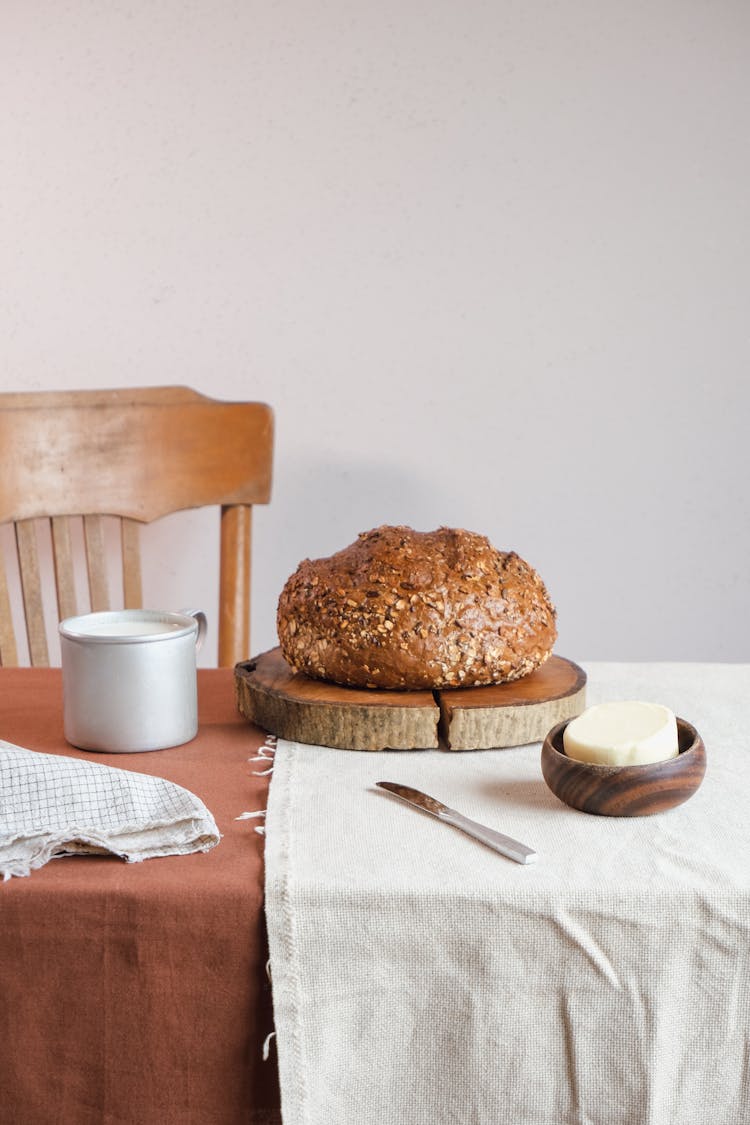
x=68, y=459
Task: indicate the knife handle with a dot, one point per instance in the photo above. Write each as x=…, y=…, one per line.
x=507, y=846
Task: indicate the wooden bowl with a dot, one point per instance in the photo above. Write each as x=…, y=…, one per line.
x=625, y=790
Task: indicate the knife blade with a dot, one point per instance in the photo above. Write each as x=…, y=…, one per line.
x=498, y=841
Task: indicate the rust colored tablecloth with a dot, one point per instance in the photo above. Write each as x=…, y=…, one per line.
x=136, y=994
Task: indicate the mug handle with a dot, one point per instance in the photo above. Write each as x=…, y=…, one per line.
x=200, y=617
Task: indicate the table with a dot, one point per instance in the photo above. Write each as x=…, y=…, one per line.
x=419, y=979
x=137, y=994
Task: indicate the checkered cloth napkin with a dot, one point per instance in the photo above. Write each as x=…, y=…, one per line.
x=52, y=806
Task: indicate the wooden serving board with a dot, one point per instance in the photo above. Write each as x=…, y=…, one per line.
x=291, y=705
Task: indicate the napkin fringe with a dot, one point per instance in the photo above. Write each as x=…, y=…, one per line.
x=37, y=851
x=19, y=868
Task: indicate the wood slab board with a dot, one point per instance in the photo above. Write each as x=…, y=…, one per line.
x=293, y=706
x=514, y=714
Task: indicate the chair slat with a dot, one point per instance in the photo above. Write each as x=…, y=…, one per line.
x=131, y=564
x=234, y=585
x=28, y=562
x=8, y=650
x=93, y=529
x=64, y=570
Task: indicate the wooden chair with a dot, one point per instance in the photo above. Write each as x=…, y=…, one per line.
x=72, y=458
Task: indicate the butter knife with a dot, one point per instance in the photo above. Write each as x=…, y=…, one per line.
x=496, y=840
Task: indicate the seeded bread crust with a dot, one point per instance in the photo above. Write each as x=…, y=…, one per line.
x=410, y=610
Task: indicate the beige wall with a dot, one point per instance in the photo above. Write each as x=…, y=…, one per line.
x=489, y=261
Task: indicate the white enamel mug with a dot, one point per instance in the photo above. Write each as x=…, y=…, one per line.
x=129, y=678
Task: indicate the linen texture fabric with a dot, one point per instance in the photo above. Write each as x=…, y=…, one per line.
x=137, y=992
x=420, y=978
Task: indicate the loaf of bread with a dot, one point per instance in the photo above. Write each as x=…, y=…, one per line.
x=403, y=609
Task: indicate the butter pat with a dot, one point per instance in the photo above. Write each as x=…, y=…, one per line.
x=622, y=734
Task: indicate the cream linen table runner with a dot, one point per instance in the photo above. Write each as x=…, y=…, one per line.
x=421, y=979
